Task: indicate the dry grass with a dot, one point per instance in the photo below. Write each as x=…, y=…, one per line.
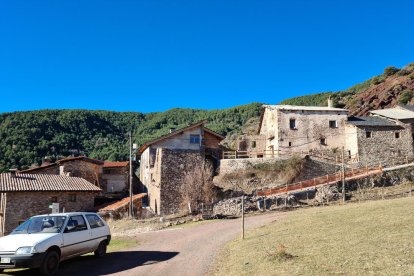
x=372, y=238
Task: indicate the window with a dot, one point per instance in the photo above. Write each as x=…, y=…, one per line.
x=195, y=139
x=368, y=134
x=397, y=135
x=290, y=144
x=94, y=221
x=332, y=124
x=54, y=199
x=253, y=144
x=76, y=223
x=323, y=141
x=292, y=123
x=72, y=198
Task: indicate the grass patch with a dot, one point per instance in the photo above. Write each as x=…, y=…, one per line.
x=122, y=243
x=356, y=239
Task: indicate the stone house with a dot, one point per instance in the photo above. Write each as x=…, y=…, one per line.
x=377, y=140
x=109, y=176
x=385, y=136
x=26, y=195
x=115, y=177
x=288, y=129
x=164, y=162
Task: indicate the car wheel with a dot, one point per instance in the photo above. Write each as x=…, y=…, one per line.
x=101, y=250
x=50, y=265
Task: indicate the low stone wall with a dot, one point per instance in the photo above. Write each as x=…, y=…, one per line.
x=232, y=165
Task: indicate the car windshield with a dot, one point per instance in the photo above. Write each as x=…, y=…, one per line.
x=49, y=224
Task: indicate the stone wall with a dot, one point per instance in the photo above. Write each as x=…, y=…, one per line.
x=22, y=205
x=174, y=165
x=115, y=179
x=383, y=146
x=232, y=165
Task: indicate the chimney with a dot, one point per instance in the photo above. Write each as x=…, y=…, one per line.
x=330, y=102
x=13, y=172
x=172, y=130
x=46, y=161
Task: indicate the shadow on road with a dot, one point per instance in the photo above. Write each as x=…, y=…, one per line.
x=112, y=263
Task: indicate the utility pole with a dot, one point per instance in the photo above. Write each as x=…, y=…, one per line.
x=343, y=175
x=242, y=206
x=131, y=206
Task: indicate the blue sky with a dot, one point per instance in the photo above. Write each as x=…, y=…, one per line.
x=155, y=55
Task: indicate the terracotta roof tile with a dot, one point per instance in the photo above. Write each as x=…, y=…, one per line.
x=43, y=182
x=123, y=202
x=109, y=164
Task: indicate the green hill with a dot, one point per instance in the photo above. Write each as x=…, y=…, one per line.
x=27, y=137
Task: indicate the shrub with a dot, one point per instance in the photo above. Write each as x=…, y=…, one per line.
x=405, y=97
x=390, y=70
x=378, y=79
x=403, y=72
x=411, y=76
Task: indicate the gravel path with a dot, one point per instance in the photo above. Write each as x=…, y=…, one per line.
x=180, y=251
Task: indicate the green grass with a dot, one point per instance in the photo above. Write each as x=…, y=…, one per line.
x=371, y=238
x=122, y=243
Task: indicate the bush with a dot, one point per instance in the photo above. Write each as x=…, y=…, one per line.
x=403, y=72
x=390, y=70
x=378, y=79
x=411, y=76
x=405, y=97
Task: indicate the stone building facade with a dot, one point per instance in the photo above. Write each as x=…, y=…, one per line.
x=290, y=129
x=165, y=161
x=109, y=176
x=24, y=195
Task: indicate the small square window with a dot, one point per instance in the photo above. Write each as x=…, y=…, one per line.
x=195, y=139
x=72, y=198
x=323, y=141
x=253, y=144
x=290, y=144
x=368, y=134
x=332, y=124
x=292, y=123
x=397, y=135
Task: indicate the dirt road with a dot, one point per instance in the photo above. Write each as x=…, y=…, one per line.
x=180, y=251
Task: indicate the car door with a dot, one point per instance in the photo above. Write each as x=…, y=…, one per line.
x=99, y=231
x=76, y=237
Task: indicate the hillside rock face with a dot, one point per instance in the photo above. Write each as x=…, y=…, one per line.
x=382, y=95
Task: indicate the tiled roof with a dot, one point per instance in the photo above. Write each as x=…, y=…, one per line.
x=307, y=108
x=109, y=164
x=43, y=182
x=123, y=202
x=370, y=121
x=58, y=162
x=394, y=113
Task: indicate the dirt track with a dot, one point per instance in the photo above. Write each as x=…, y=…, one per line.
x=180, y=251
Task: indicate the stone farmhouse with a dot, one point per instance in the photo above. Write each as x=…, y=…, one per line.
x=384, y=136
x=26, y=195
x=111, y=177
x=164, y=162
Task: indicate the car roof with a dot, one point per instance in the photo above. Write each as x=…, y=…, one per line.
x=66, y=214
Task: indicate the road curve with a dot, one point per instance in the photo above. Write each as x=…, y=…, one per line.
x=180, y=251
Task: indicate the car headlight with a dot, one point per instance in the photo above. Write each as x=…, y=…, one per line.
x=25, y=250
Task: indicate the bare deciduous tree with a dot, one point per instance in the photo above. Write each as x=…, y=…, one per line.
x=198, y=186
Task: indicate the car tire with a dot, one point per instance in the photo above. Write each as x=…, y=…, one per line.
x=50, y=265
x=101, y=250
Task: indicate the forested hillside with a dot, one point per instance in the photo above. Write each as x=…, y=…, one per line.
x=393, y=86
x=27, y=137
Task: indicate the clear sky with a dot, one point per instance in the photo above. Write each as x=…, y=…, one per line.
x=155, y=55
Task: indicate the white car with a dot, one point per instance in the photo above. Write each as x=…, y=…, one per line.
x=43, y=241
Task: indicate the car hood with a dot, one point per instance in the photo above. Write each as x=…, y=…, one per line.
x=11, y=243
